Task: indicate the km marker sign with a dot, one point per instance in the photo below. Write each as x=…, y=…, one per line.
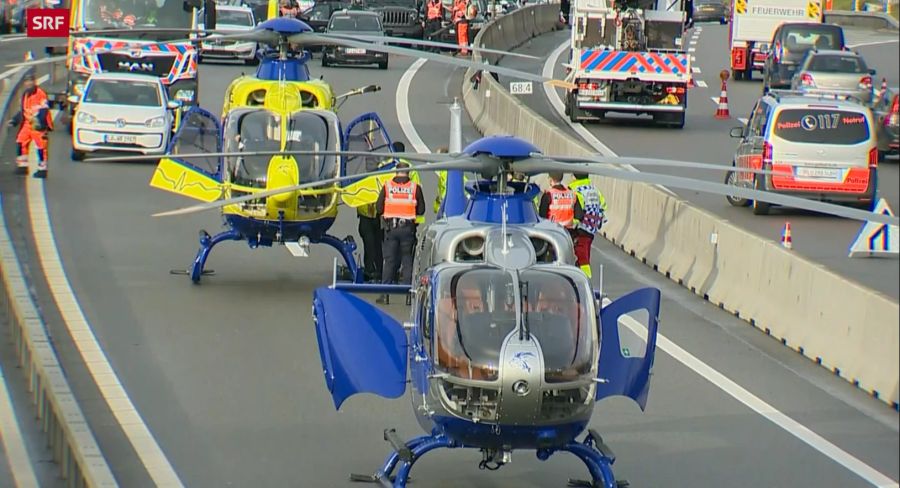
x=47, y=22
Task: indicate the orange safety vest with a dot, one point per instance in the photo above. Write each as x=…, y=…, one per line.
x=435, y=10
x=459, y=10
x=562, y=207
x=400, y=200
x=33, y=104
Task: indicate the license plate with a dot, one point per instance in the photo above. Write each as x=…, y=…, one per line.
x=355, y=50
x=591, y=93
x=819, y=173
x=119, y=139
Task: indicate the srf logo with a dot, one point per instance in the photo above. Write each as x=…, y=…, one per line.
x=47, y=22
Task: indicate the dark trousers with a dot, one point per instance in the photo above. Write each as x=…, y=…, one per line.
x=432, y=26
x=371, y=234
x=399, y=248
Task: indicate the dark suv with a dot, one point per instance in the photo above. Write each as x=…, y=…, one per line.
x=354, y=22
x=790, y=44
x=401, y=18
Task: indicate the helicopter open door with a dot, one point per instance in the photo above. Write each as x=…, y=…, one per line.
x=363, y=349
x=197, y=178
x=364, y=133
x=628, y=345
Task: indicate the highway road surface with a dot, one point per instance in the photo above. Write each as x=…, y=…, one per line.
x=226, y=376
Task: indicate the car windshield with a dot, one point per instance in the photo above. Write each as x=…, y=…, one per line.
x=247, y=131
x=124, y=14
x=322, y=11
x=355, y=23
x=391, y=3
x=799, y=38
x=476, y=313
x=234, y=17
x=822, y=126
x=118, y=92
x=830, y=63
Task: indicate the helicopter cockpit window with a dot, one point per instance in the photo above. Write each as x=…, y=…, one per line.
x=475, y=312
x=251, y=131
x=558, y=315
x=198, y=134
x=311, y=132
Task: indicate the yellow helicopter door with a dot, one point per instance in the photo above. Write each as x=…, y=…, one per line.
x=194, y=175
x=365, y=133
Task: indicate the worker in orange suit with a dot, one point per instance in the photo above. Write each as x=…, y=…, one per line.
x=462, y=25
x=34, y=122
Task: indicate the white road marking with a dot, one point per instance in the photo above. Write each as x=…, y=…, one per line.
x=92, y=355
x=401, y=102
x=873, y=43
x=9, y=72
x=13, y=444
x=759, y=406
x=42, y=79
x=743, y=120
x=557, y=104
x=701, y=83
x=715, y=100
x=695, y=69
x=692, y=49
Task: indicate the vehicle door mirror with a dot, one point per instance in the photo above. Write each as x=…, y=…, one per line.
x=873, y=71
x=737, y=132
x=73, y=99
x=173, y=104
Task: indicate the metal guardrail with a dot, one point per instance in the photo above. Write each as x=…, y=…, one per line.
x=68, y=434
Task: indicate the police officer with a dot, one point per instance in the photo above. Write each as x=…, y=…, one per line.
x=594, y=205
x=559, y=204
x=400, y=204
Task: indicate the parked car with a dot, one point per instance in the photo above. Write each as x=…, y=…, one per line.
x=318, y=16
x=816, y=147
x=790, y=44
x=885, y=108
x=122, y=112
x=232, y=19
x=359, y=22
x=711, y=10
x=400, y=18
x=835, y=72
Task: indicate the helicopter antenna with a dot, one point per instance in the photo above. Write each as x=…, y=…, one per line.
x=505, y=250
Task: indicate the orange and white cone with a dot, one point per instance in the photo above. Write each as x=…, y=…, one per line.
x=722, y=112
x=786, y=240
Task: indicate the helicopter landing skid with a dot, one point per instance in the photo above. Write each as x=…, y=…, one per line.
x=207, y=242
x=598, y=458
x=402, y=458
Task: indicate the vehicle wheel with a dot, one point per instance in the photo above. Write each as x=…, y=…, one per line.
x=573, y=110
x=731, y=179
x=738, y=75
x=324, y=60
x=748, y=74
x=679, y=121
x=383, y=65
x=760, y=208
x=77, y=155
x=723, y=21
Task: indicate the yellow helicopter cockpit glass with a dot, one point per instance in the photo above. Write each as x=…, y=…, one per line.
x=137, y=14
x=310, y=131
x=476, y=312
x=248, y=131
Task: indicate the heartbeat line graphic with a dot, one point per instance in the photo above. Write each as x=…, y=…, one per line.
x=180, y=184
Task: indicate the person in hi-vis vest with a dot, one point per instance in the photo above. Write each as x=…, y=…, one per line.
x=400, y=204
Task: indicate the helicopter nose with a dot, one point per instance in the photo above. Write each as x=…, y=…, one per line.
x=283, y=172
x=521, y=373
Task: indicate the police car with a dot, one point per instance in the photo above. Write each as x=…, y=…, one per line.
x=122, y=112
x=818, y=147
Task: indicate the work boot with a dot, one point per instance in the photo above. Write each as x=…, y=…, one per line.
x=21, y=170
x=384, y=299
x=41, y=173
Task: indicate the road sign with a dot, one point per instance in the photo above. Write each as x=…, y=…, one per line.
x=877, y=240
x=520, y=87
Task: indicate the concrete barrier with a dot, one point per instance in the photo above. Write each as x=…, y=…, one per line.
x=867, y=20
x=69, y=436
x=847, y=328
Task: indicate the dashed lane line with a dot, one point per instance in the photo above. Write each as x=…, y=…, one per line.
x=701, y=84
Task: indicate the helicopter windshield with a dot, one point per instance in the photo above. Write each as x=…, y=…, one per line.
x=249, y=131
x=105, y=14
x=477, y=311
x=309, y=131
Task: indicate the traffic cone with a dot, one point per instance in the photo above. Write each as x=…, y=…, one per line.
x=722, y=112
x=786, y=240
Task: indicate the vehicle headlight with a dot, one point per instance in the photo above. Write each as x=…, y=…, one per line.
x=184, y=95
x=85, y=118
x=156, y=122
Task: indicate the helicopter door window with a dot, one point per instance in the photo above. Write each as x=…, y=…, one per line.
x=311, y=132
x=557, y=314
x=198, y=134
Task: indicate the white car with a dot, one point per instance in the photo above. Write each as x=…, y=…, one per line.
x=122, y=112
x=231, y=19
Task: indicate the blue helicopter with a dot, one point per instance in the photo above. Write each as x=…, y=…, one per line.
x=508, y=345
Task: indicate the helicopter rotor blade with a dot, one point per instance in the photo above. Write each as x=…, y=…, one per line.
x=319, y=38
x=423, y=157
x=461, y=165
x=421, y=42
x=576, y=163
x=535, y=166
